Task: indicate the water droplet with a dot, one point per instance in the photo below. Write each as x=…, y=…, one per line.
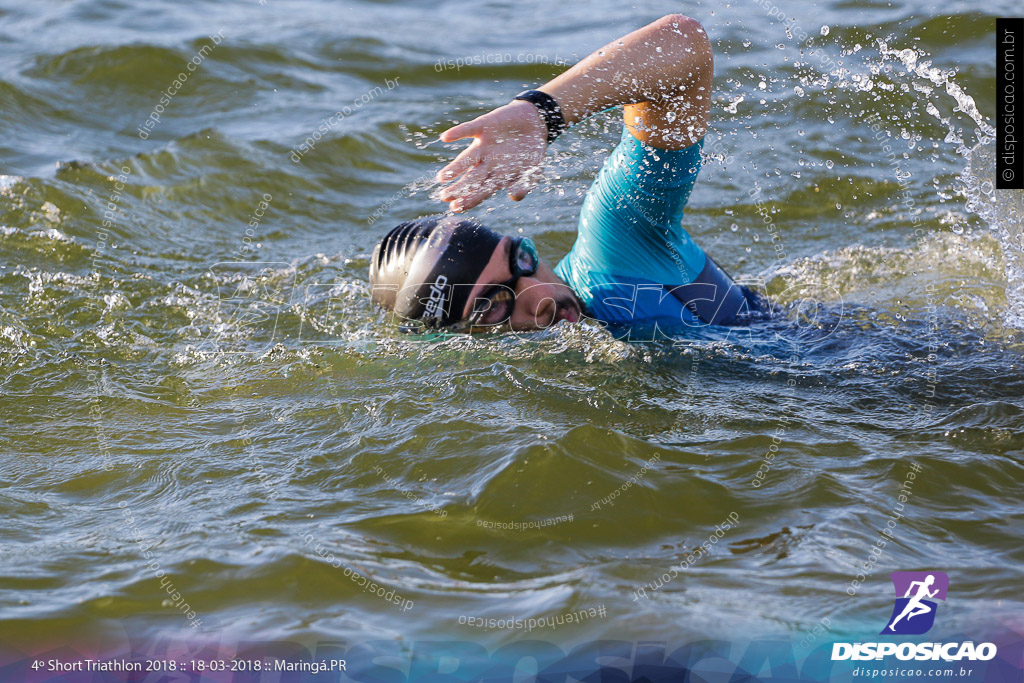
x=734, y=227
x=829, y=164
x=824, y=30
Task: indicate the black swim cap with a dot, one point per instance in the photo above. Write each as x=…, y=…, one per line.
x=425, y=269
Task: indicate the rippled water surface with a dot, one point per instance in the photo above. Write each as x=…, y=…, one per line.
x=234, y=406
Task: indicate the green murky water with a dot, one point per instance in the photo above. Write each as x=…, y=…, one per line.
x=233, y=405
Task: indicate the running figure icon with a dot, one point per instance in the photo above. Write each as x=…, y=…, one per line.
x=916, y=593
x=915, y=606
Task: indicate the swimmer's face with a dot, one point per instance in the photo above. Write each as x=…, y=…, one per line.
x=529, y=302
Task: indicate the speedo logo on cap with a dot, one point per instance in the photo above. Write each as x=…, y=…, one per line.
x=435, y=305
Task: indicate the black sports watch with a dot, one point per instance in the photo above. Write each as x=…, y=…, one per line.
x=548, y=108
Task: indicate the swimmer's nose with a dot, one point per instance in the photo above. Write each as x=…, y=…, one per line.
x=545, y=314
x=537, y=299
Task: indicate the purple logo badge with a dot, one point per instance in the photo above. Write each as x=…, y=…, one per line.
x=914, y=612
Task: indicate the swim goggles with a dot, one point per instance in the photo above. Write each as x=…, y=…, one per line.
x=495, y=304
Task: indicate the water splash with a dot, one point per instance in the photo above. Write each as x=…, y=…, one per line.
x=1002, y=211
x=908, y=93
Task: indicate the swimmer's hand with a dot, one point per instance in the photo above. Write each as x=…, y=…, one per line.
x=662, y=72
x=507, y=152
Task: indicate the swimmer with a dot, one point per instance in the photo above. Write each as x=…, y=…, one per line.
x=632, y=261
x=915, y=607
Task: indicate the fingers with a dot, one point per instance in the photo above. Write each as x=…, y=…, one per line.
x=469, y=190
x=469, y=129
x=484, y=179
x=469, y=158
x=527, y=181
x=491, y=183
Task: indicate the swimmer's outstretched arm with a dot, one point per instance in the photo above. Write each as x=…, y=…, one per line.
x=662, y=72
